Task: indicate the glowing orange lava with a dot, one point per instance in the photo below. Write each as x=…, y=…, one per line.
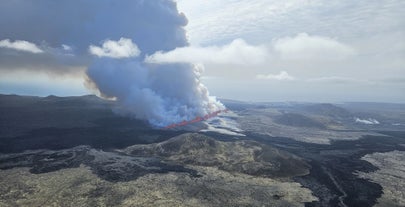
x=195, y=120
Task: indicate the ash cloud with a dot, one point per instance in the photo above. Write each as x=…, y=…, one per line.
x=81, y=23
x=51, y=26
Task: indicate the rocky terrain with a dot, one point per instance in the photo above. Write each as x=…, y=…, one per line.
x=187, y=170
x=80, y=187
x=248, y=157
x=318, y=123
x=390, y=175
x=75, y=151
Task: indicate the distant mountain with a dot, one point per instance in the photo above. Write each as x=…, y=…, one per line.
x=297, y=120
x=327, y=109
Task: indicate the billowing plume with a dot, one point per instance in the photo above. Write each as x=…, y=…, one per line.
x=161, y=94
x=164, y=93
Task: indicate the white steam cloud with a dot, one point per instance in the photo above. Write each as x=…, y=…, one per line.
x=369, y=121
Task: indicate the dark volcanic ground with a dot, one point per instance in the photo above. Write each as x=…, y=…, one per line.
x=332, y=177
x=52, y=146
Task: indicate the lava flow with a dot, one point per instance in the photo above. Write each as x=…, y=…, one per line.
x=197, y=119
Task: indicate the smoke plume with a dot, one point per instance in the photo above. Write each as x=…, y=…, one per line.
x=164, y=93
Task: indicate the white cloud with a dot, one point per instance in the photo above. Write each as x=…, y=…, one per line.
x=282, y=76
x=20, y=45
x=237, y=52
x=123, y=48
x=306, y=47
x=66, y=47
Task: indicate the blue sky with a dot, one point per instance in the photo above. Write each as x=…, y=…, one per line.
x=256, y=50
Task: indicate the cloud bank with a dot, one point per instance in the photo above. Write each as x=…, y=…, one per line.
x=239, y=52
